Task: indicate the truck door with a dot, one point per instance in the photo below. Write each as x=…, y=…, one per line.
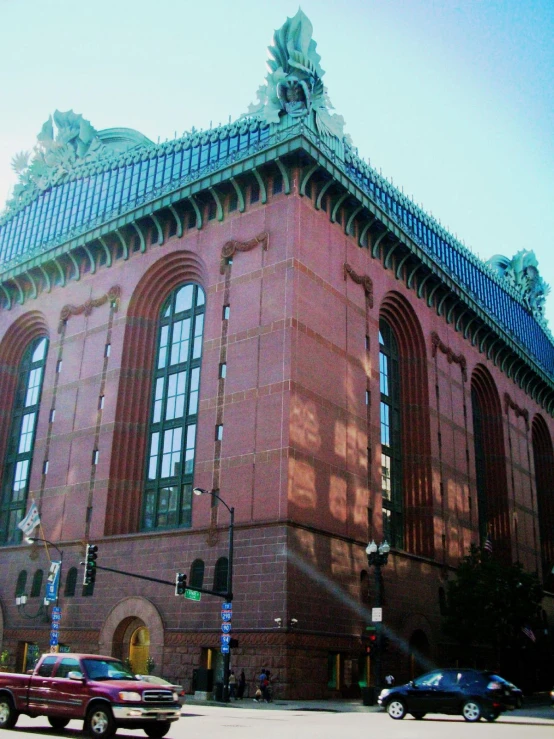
x=40, y=685
x=68, y=696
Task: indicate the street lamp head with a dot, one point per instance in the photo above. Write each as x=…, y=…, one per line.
x=371, y=547
x=199, y=491
x=385, y=547
x=30, y=539
x=278, y=621
x=293, y=621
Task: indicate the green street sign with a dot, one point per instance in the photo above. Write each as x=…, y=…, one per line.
x=192, y=594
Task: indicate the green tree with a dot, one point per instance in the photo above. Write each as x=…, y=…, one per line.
x=488, y=603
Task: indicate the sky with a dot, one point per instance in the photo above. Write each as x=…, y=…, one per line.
x=453, y=100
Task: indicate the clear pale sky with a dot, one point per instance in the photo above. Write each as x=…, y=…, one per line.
x=452, y=99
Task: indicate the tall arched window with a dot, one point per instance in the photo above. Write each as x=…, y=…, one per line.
x=490, y=464
x=220, y=575
x=174, y=410
x=21, y=441
x=71, y=582
x=543, y=457
x=37, y=584
x=391, y=453
x=21, y=583
x=197, y=573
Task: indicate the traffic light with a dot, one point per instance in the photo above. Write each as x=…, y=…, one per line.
x=180, y=583
x=89, y=575
x=369, y=640
x=385, y=643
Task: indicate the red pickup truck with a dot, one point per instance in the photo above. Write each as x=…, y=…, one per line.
x=100, y=691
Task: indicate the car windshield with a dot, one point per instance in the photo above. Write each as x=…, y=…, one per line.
x=107, y=669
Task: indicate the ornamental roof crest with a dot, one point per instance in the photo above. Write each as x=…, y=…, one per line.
x=522, y=273
x=64, y=142
x=294, y=81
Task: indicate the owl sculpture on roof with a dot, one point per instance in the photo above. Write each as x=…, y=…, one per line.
x=293, y=84
x=522, y=273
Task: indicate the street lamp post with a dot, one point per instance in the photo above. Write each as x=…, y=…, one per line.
x=377, y=557
x=229, y=593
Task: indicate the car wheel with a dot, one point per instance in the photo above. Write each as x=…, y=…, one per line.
x=396, y=709
x=8, y=714
x=158, y=730
x=57, y=722
x=99, y=723
x=418, y=716
x=471, y=711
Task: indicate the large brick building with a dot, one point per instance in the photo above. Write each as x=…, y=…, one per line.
x=253, y=309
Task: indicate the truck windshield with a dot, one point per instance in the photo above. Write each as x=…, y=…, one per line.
x=107, y=669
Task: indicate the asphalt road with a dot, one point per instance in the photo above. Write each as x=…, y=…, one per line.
x=199, y=722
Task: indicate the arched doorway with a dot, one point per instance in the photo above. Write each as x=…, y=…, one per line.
x=139, y=650
x=420, y=652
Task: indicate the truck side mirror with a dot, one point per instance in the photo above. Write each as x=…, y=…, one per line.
x=75, y=675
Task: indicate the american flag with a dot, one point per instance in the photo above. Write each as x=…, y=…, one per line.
x=528, y=631
x=487, y=546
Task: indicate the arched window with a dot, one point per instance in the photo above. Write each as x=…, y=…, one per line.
x=543, y=458
x=490, y=464
x=174, y=410
x=37, y=584
x=71, y=582
x=391, y=453
x=220, y=575
x=21, y=583
x=197, y=573
x=21, y=441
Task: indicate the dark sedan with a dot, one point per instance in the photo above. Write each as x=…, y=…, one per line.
x=474, y=694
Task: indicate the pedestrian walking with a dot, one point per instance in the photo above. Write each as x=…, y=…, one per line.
x=241, y=685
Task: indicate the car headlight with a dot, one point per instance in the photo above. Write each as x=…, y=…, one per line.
x=383, y=694
x=130, y=695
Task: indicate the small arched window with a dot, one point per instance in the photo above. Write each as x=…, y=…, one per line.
x=37, y=584
x=197, y=573
x=220, y=575
x=21, y=584
x=71, y=582
x=174, y=410
x=21, y=441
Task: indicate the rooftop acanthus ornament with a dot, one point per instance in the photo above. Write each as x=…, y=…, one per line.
x=65, y=141
x=293, y=84
x=522, y=273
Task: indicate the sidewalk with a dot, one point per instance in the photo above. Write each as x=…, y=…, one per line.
x=325, y=706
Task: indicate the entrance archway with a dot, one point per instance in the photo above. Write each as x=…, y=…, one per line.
x=134, y=630
x=139, y=650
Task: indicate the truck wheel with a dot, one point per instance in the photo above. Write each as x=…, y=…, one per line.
x=99, y=723
x=8, y=714
x=57, y=722
x=157, y=730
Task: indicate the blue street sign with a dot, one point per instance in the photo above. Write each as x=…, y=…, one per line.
x=225, y=649
x=53, y=582
x=56, y=609
x=55, y=625
x=56, y=616
x=54, y=641
x=226, y=615
x=225, y=638
x=54, y=635
x=226, y=606
x=226, y=627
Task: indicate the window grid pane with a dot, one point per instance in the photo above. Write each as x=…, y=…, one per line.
x=175, y=397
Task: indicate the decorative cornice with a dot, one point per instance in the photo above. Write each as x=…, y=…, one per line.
x=363, y=280
x=450, y=356
x=112, y=296
x=523, y=412
x=230, y=248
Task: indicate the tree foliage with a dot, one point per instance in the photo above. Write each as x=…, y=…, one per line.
x=489, y=602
